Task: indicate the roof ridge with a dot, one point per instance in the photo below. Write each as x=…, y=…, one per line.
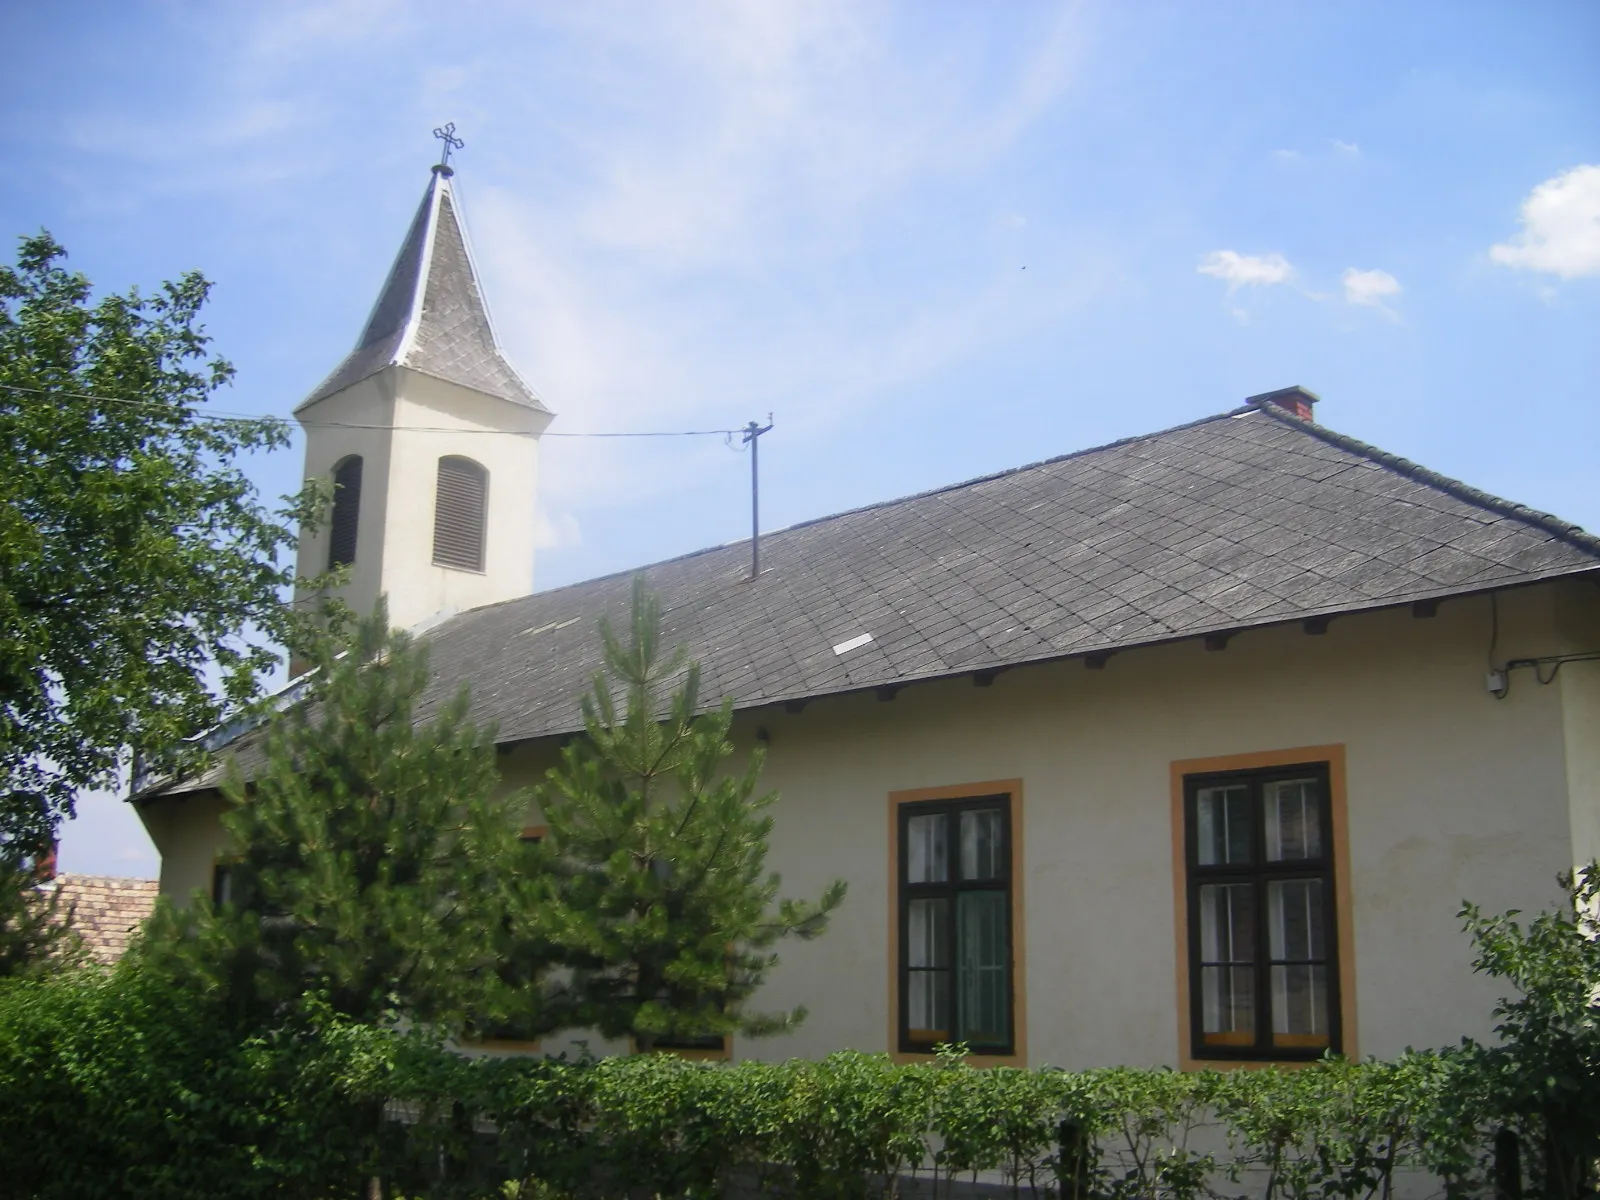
x=432, y=201
x=80, y=877
x=1549, y=522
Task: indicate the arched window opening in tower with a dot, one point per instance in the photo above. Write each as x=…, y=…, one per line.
x=346, y=512
x=458, y=515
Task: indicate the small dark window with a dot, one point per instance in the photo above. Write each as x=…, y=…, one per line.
x=346, y=512
x=222, y=883
x=458, y=515
x=955, y=924
x=1263, y=965
x=710, y=1043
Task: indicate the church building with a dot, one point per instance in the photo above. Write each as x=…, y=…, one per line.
x=1184, y=749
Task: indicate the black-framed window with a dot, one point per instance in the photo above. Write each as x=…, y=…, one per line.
x=1263, y=942
x=956, y=963
x=222, y=883
x=346, y=512
x=708, y=1043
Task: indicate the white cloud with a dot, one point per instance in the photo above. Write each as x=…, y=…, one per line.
x=555, y=530
x=1560, y=227
x=1340, y=146
x=1246, y=270
x=756, y=145
x=294, y=31
x=1369, y=289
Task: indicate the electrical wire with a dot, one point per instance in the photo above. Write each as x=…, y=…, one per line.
x=1559, y=661
x=227, y=418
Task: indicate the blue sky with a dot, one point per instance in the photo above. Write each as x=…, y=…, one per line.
x=933, y=240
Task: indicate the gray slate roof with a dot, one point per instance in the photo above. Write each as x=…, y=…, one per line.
x=1245, y=519
x=430, y=315
x=1238, y=520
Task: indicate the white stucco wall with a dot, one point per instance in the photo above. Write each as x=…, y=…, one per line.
x=423, y=419
x=187, y=831
x=498, y=436
x=329, y=440
x=1451, y=793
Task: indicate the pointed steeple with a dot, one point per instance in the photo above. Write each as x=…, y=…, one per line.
x=430, y=316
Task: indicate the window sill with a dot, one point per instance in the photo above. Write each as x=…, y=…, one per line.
x=501, y=1045
x=910, y=1057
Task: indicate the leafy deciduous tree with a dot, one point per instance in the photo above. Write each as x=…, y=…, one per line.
x=134, y=554
x=1545, y=1073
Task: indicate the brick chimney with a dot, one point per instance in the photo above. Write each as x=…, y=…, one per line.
x=44, y=863
x=1296, y=401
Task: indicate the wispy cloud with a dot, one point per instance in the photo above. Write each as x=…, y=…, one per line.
x=1370, y=289
x=1560, y=231
x=1342, y=147
x=1246, y=270
x=797, y=139
x=292, y=30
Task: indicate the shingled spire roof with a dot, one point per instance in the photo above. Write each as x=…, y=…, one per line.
x=430, y=316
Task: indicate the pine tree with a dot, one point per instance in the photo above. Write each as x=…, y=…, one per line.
x=35, y=930
x=373, y=855
x=656, y=893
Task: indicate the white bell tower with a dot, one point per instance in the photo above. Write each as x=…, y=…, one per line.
x=430, y=437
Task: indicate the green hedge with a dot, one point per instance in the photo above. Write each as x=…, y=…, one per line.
x=115, y=1085
x=852, y=1124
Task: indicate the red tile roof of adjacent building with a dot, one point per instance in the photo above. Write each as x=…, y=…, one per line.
x=106, y=910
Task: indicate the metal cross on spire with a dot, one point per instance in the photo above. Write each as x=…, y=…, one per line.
x=447, y=135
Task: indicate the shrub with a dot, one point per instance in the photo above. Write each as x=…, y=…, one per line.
x=117, y=1084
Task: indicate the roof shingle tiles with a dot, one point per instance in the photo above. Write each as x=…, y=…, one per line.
x=106, y=911
x=1239, y=519
x=430, y=315
x=1246, y=518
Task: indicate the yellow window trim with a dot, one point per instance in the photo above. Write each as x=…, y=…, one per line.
x=1338, y=815
x=502, y=1044
x=1019, y=989
x=690, y=1055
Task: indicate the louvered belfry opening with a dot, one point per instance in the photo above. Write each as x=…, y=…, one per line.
x=458, y=514
x=346, y=512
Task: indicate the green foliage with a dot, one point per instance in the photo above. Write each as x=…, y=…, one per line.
x=1543, y=1079
x=133, y=552
x=373, y=855
x=142, y=1088
x=855, y=1125
x=654, y=886
x=118, y=1084
x=35, y=932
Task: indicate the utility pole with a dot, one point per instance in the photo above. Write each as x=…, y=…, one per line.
x=752, y=438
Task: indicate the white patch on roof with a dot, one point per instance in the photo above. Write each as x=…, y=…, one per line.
x=855, y=643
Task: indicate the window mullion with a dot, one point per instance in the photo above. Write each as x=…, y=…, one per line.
x=1263, y=939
